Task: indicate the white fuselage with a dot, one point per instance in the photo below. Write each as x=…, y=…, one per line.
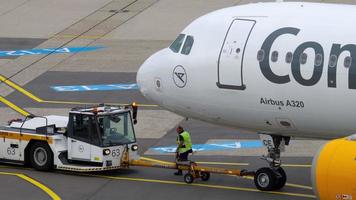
x=279, y=68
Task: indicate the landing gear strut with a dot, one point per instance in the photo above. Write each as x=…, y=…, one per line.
x=272, y=177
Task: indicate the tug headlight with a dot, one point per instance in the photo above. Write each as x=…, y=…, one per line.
x=106, y=152
x=134, y=147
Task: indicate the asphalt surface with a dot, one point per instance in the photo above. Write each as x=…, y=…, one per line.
x=12, y=44
x=150, y=183
x=41, y=87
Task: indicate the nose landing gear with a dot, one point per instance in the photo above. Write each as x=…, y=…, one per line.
x=273, y=177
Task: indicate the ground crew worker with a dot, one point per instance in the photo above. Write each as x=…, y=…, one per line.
x=184, y=146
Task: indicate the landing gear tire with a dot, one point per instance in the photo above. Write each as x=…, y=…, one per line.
x=188, y=178
x=281, y=179
x=41, y=156
x=205, y=176
x=265, y=179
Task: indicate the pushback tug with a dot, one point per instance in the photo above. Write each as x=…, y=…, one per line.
x=89, y=139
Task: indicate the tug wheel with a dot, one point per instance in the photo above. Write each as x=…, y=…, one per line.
x=205, y=176
x=188, y=178
x=41, y=156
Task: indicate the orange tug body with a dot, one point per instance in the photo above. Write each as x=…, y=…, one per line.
x=334, y=170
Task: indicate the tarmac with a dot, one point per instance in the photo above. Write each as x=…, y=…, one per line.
x=129, y=32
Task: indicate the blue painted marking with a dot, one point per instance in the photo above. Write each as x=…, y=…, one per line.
x=48, y=51
x=81, y=88
x=214, y=146
x=251, y=144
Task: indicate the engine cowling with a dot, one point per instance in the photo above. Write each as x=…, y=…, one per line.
x=334, y=170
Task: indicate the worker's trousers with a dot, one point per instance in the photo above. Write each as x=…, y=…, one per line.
x=184, y=156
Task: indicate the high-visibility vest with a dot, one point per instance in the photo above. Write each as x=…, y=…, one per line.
x=187, y=142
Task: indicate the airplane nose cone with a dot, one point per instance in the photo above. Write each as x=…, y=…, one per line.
x=149, y=77
x=144, y=78
x=141, y=79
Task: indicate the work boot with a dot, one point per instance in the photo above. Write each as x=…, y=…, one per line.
x=178, y=173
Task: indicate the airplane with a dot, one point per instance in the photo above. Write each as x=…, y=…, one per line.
x=281, y=69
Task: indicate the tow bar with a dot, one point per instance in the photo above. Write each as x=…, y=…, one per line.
x=192, y=168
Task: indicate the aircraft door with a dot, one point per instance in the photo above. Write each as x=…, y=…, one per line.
x=231, y=58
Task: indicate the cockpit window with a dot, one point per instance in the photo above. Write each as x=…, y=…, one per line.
x=175, y=46
x=187, y=45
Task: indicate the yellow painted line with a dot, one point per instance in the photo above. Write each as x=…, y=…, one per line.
x=207, y=163
x=37, y=99
x=299, y=186
x=203, y=185
x=14, y=107
x=295, y=165
x=69, y=102
x=91, y=103
x=287, y=184
x=224, y=163
x=44, y=188
x=79, y=36
x=20, y=89
x=146, y=105
x=155, y=160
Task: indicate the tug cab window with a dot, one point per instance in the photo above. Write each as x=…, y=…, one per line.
x=175, y=46
x=116, y=129
x=187, y=45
